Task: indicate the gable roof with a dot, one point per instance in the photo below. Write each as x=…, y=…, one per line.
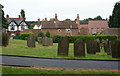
x=16, y=20
x=59, y=25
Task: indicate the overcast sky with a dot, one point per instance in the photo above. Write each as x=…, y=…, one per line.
x=35, y=9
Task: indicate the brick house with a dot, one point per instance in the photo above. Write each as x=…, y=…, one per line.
x=57, y=27
x=93, y=27
x=16, y=25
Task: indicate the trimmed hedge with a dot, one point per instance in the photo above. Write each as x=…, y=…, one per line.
x=85, y=37
x=24, y=36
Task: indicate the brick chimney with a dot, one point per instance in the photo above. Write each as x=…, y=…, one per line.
x=38, y=22
x=78, y=19
x=19, y=16
x=56, y=18
x=46, y=19
x=7, y=16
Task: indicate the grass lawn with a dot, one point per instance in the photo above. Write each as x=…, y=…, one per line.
x=19, y=47
x=42, y=70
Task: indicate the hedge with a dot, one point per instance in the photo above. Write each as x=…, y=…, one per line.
x=24, y=36
x=85, y=37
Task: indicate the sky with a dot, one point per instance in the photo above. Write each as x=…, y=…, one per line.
x=35, y=9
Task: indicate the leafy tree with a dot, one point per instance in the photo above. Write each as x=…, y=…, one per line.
x=4, y=20
x=41, y=34
x=114, y=20
x=67, y=19
x=52, y=19
x=98, y=18
x=47, y=34
x=22, y=13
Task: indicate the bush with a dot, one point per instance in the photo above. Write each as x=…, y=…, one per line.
x=24, y=36
x=40, y=34
x=47, y=34
x=17, y=37
x=85, y=37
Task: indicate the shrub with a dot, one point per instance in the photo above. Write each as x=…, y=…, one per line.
x=85, y=37
x=24, y=36
x=40, y=34
x=47, y=34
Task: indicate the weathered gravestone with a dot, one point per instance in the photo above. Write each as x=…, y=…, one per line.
x=92, y=46
x=50, y=41
x=79, y=48
x=5, y=38
x=39, y=39
x=31, y=41
x=45, y=41
x=63, y=46
x=106, y=45
x=115, y=48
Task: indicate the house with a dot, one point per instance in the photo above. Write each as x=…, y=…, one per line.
x=37, y=26
x=57, y=27
x=93, y=27
x=16, y=25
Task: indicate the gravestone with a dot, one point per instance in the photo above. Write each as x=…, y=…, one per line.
x=106, y=46
x=45, y=41
x=31, y=41
x=50, y=41
x=39, y=39
x=115, y=48
x=5, y=38
x=63, y=46
x=79, y=48
x=92, y=46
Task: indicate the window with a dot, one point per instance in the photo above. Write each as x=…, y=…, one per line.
x=12, y=28
x=59, y=30
x=68, y=30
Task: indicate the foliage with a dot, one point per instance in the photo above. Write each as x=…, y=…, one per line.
x=22, y=13
x=67, y=19
x=24, y=36
x=96, y=18
x=4, y=20
x=47, y=34
x=40, y=34
x=85, y=37
x=52, y=19
x=114, y=20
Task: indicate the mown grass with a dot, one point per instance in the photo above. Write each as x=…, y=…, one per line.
x=38, y=70
x=19, y=47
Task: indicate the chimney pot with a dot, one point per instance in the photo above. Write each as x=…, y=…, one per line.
x=7, y=16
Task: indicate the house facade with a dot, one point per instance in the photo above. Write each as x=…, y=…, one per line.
x=16, y=25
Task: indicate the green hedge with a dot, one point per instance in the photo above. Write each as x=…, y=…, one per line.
x=86, y=37
x=24, y=36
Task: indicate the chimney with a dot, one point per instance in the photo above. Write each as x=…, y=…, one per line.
x=18, y=16
x=38, y=22
x=78, y=19
x=45, y=19
x=56, y=16
x=7, y=16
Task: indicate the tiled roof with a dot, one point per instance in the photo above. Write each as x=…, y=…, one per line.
x=59, y=25
x=17, y=20
x=98, y=23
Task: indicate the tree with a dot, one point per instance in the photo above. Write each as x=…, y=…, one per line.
x=47, y=34
x=22, y=13
x=98, y=18
x=4, y=20
x=67, y=19
x=41, y=34
x=114, y=20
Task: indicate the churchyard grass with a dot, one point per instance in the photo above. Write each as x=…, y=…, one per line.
x=19, y=47
x=41, y=70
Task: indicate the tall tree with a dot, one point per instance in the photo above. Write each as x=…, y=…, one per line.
x=4, y=20
x=114, y=20
x=22, y=13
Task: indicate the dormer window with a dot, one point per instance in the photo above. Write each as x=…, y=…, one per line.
x=12, y=28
